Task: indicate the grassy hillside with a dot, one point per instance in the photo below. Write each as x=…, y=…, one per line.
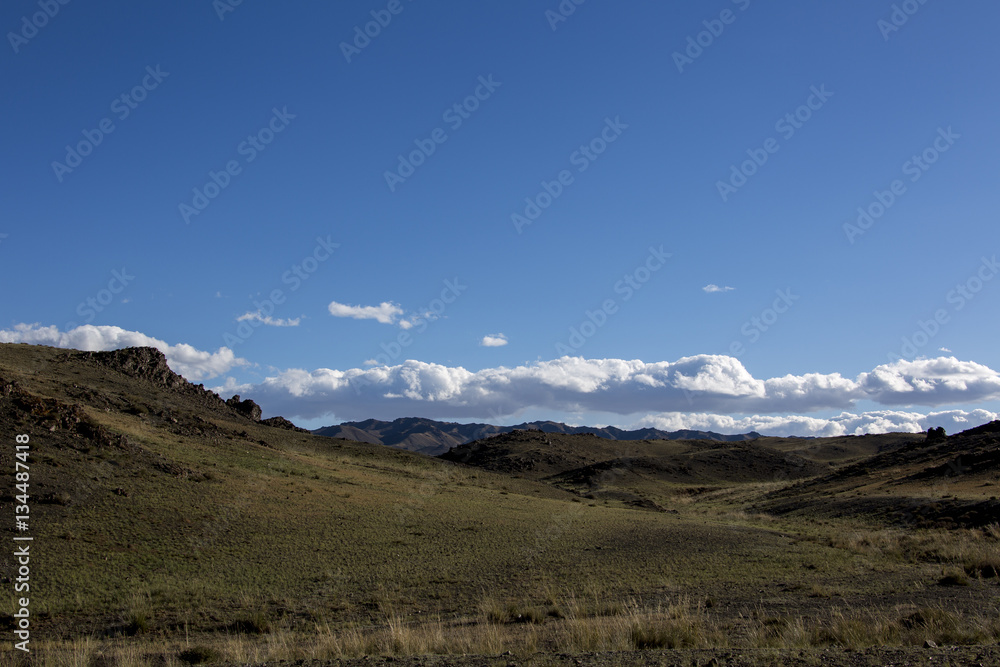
x=171, y=527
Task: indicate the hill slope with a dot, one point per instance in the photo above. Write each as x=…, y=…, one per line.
x=938, y=481
x=200, y=516
x=169, y=524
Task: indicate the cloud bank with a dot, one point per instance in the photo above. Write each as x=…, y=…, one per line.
x=846, y=423
x=195, y=365
x=698, y=392
x=712, y=384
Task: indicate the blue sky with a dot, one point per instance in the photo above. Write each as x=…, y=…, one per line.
x=169, y=169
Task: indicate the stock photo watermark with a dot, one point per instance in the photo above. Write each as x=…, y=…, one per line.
x=225, y=516
x=562, y=12
x=900, y=16
x=364, y=34
x=627, y=287
x=223, y=7
x=562, y=522
x=915, y=168
x=417, y=497
x=455, y=116
x=786, y=127
x=249, y=149
x=758, y=325
x=714, y=27
x=22, y=554
x=956, y=299
x=30, y=25
x=581, y=158
x=435, y=309
x=294, y=278
x=122, y=107
x=90, y=307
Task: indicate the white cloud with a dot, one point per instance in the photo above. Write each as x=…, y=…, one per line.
x=944, y=349
x=494, y=340
x=386, y=312
x=231, y=386
x=712, y=384
x=715, y=288
x=268, y=320
x=195, y=365
x=930, y=382
x=846, y=423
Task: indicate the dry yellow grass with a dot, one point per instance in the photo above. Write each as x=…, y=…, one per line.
x=679, y=624
x=977, y=551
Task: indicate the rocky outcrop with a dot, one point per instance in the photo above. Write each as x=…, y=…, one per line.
x=150, y=365
x=247, y=408
x=23, y=409
x=144, y=363
x=281, y=422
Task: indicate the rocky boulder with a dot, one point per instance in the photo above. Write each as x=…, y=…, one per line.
x=281, y=422
x=247, y=408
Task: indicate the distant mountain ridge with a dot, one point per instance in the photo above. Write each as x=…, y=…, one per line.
x=431, y=437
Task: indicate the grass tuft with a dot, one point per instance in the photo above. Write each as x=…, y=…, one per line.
x=255, y=623
x=954, y=578
x=198, y=655
x=137, y=623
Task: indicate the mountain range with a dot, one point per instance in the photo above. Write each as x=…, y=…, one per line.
x=431, y=437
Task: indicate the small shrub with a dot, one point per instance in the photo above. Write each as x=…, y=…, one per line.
x=819, y=591
x=928, y=617
x=495, y=612
x=954, y=578
x=986, y=570
x=858, y=632
x=944, y=627
x=677, y=633
x=646, y=637
x=553, y=611
x=984, y=563
x=257, y=623
x=534, y=615
x=137, y=623
x=611, y=609
x=198, y=655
